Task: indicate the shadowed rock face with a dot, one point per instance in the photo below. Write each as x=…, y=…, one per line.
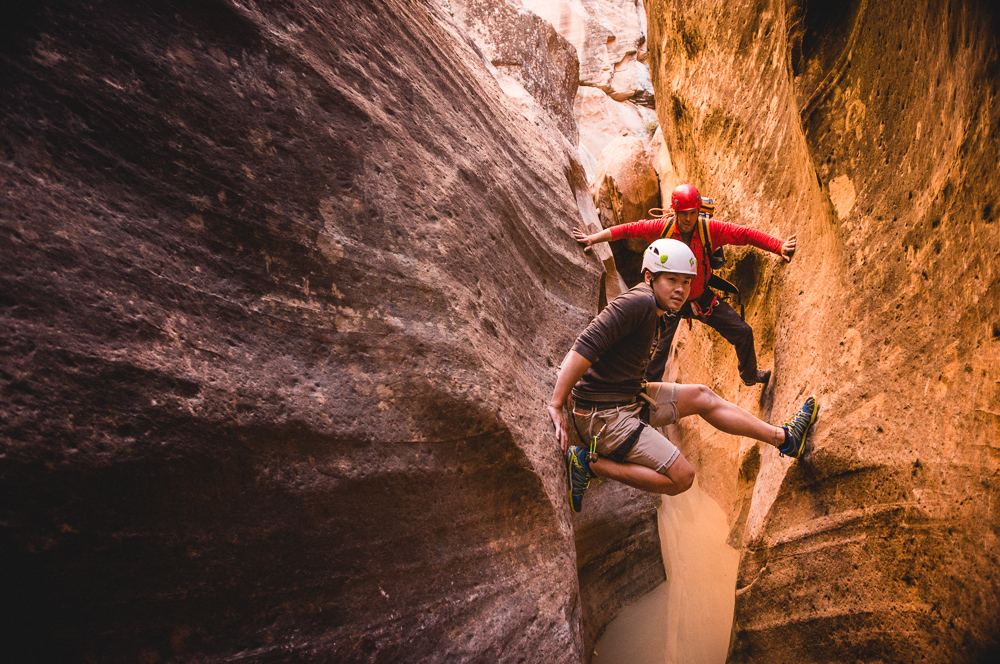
x=617, y=553
x=871, y=130
x=282, y=293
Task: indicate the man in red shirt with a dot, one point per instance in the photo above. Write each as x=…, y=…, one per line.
x=703, y=303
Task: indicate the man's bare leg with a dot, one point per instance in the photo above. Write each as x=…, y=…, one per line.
x=725, y=416
x=674, y=480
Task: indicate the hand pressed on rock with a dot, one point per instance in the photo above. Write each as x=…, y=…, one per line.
x=788, y=249
x=559, y=420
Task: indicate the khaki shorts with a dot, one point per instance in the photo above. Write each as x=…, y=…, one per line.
x=613, y=425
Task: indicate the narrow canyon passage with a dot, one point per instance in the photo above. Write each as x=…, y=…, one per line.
x=272, y=271
x=688, y=618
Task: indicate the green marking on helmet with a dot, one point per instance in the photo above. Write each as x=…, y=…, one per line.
x=663, y=258
x=691, y=260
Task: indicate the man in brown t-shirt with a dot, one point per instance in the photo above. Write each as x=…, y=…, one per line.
x=604, y=371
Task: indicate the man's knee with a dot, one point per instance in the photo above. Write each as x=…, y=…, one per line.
x=681, y=473
x=741, y=332
x=684, y=481
x=705, y=398
x=696, y=400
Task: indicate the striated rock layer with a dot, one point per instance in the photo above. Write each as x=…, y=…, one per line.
x=871, y=130
x=283, y=290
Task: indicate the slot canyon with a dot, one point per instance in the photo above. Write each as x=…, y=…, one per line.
x=285, y=286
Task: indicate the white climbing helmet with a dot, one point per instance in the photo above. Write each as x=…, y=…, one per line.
x=666, y=255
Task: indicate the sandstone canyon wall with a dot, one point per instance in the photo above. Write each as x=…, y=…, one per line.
x=871, y=130
x=283, y=286
x=617, y=544
x=283, y=290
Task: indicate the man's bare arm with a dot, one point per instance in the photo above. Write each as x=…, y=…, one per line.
x=572, y=369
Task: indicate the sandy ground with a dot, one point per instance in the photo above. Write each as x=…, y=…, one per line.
x=688, y=619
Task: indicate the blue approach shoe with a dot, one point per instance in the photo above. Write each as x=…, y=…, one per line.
x=579, y=476
x=797, y=428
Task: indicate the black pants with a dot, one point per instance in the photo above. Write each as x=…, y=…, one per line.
x=723, y=320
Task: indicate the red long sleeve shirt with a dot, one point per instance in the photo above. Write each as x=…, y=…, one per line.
x=722, y=233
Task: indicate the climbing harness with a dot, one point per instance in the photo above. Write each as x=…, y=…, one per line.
x=595, y=407
x=728, y=287
x=702, y=311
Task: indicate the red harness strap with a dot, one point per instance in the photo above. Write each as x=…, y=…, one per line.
x=704, y=313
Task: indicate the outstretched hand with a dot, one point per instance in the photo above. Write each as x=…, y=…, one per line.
x=559, y=420
x=788, y=249
x=583, y=239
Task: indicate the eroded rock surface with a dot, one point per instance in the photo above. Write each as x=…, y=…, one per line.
x=615, y=97
x=870, y=130
x=522, y=45
x=283, y=290
x=609, y=36
x=626, y=186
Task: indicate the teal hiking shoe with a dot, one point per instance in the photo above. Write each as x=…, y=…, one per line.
x=579, y=476
x=797, y=428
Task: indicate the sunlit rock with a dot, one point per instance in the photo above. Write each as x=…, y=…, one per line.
x=610, y=38
x=588, y=160
x=528, y=49
x=625, y=185
x=604, y=32
x=660, y=159
x=601, y=119
x=625, y=82
x=873, y=137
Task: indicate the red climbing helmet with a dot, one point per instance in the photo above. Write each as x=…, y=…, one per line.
x=685, y=197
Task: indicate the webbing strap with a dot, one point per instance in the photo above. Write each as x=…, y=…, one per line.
x=668, y=230
x=620, y=452
x=706, y=235
x=703, y=232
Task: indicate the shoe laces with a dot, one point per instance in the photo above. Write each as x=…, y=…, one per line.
x=797, y=425
x=578, y=468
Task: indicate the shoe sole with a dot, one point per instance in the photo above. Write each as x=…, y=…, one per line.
x=569, y=484
x=812, y=420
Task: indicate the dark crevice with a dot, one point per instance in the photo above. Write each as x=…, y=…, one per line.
x=821, y=37
x=825, y=29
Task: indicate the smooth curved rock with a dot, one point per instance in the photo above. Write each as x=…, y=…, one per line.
x=282, y=294
x=626, y=186
x=601, y=119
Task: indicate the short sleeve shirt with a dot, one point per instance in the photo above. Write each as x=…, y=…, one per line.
x=617, y=343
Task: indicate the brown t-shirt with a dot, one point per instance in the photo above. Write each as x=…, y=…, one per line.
x=617, y=344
